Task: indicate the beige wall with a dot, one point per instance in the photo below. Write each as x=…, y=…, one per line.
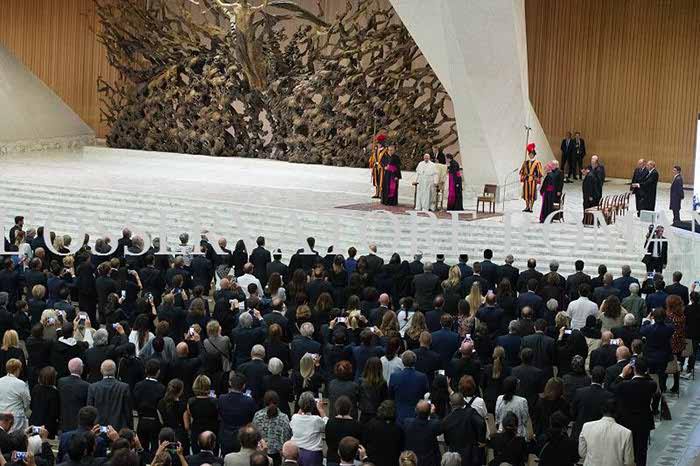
x=625, y=73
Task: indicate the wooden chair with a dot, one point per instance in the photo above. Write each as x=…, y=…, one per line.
x=560, y=206
x=488, y=197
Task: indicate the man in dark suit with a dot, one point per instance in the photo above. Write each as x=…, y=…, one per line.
x=254, y=371
x=658, y=297
x=543, y=347
x=465, y=431
x=465, y=362
x=511, y=344
x=433, y=318
x=639, y=175
x=579, y=153
x=207, y=444
x=623, y=283
x=489, y=270
x=648, y=187
x=202, y=271
x=377, y=314
x=416, y=266
x=526, y=323
x=463, y=266
x=628, y=332
x=567, y=156
x=277, y=317
x=527, y=275
x=554, y=271
x=34, y=275
x=152, y=280
x=508, y=272
x=187, y=367
x=634, y=397
x=427, y=360
x=19, y=224
x=531, y=300
x=236, y=410
x=557, y=180
x=677, y=194
x=623, y=358
x=605, y=354
x=251, y=331
x=421, y=432
x=374, y=262
x=677, y=288
x=425, y=287
x=598, y=171
x=445, y=341
x=531, y=379
x=407, y=387
x=147, y=394
x=491, y=315
x=111, y=398
x=602, y=293
x=574, y=280
x=72, y=391
x=260, y=257
x=304, y=343
x=361, y=354
x=587, y=403
x=178, y=268
x=656, y=256
x=475, y=277
x=441, y=269
x=11, y=282
x=277, y=266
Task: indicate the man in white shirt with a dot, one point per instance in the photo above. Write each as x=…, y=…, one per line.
x=582, y=307
x=247, y=278
x=426, y=180
x=14, y=395
x=605, y=442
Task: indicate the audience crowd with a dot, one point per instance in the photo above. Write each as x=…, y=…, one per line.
x=198, y=357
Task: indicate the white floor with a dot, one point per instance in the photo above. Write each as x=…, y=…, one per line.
x=236, y=197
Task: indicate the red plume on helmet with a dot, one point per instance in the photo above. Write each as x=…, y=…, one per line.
x=531, y=147
x=381, y=138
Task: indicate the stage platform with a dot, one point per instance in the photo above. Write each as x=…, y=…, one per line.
x=242, y=198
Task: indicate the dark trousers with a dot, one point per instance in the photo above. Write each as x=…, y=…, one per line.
x=566, y=159
x=655, y=265
x=578, y=165
x=676, y=216
x=640, y=440
x=148, y=430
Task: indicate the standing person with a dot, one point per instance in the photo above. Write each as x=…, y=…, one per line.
x=438, y=155
x=598, y=170
x=567, y=156
x=454, y=196
x=648, y=187
x=14, y=395
x=656, y=256
x=677, y=194
x=579, y=153
x=376, y=164
x=530, y=177
x=591, y=194
x=308, y=429
x=426, y=180
x=392, y=175
x=260, y=257
x=605, y=441
x=45, y=404
x=548, y=191
x=112, y=398
x=558, y=179
x=640, y=173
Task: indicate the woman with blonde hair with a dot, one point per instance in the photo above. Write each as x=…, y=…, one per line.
x=10, y=350
x=202, y=413
x=475, y=299
x=390, y=325
x=415, y=328
x=307, y=378
x=37, y=303
x=408, y=458
x=493, y=376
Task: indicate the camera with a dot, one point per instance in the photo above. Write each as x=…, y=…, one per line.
x=20, y=455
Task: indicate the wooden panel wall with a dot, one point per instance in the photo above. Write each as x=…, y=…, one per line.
x=625, y=73
x=55, y=40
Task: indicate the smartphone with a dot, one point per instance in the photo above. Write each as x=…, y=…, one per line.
x=150, y=296
x=489, y=292
x=341, y=320
x=51, y=320
x=241, y=305
x=123, y=294
x=467, y=337
x=190, y=332
x=173, y=446
x=104, y=429
x=20, y=455
x=633, y=361
x=372, y=329
x=567, y=331
x=697, y=282
x=36, y=430
x=248, y=393
x=82, y=317
x=616, y=341
x=650, y=275
x=114, y=326
x=212, y=394
x=440, y=372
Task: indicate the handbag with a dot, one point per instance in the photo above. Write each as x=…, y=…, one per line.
x=689, y=350
x=673, y=367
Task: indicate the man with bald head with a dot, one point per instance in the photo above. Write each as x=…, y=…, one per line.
x=421, y=434
x=433, y=318
x=604, y=355
x=207, y=444
x=598, y=171
x=73, y=392
x=640, y=173
x=112, y=399
x=290, y=453
x=376, y=315
x=623, y=358
x=186, y=367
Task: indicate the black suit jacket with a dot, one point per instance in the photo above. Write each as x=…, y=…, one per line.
x=581, y=150
x=374, y=263
x=72, y=391
x=612, y=372
x=425, y=288
x=587, y=405
x=648, y=190
x=532, y=300
x=573, y=281
x=591, y=191
x=260, y=258
x=204, y=457
x=634, y=398
x=489, y=271
x=280, y=268
x=469, y=281
x=509, y=273
x=678, y=290
x=532, y=381
x=525, y=276
x=202, y=271
x=677, y=193
x=567, y=149
x=603, y=356
x=544, y=349
x=427, y=362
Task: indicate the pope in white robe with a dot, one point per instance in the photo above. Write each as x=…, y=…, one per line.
x=426, y=179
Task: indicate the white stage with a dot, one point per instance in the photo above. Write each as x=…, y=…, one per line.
x=237, y=197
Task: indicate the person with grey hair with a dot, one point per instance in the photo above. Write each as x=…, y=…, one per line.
x=304, y=343
x=308, y=429
x=557, y=279
x=112, y=399
x=508, y=272
x=72, y=392
x=275, y=381
x=185, y=250
x=628, y=331
x=407, y=387
x=251, y=331
x=634, y=303
x=601, y=293
x=254, y=371
x=511, y=343
x=425, y=286
x=451, y=459
x=623, y=283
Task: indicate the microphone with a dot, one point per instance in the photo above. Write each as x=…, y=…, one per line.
x=528, y=128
